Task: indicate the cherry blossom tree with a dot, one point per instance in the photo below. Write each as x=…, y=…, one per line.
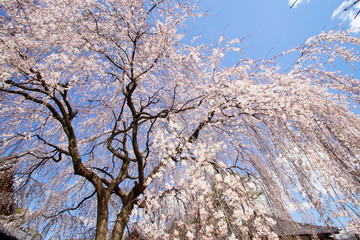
x=109, y=115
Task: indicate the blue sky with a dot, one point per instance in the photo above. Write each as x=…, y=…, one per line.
x=271, y=26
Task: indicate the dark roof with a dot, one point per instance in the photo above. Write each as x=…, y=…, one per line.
x=289, y=228
x=13, y=231
x=6, y=236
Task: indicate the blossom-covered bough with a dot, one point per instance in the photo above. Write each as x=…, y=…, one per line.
x=111, y=119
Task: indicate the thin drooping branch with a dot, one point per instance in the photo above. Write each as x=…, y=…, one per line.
x=60, y=150
x=73, y=208
x=293, y=4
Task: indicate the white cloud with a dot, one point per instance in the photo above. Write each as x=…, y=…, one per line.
x=294, y=3
x=345, y=16
x=349, y=15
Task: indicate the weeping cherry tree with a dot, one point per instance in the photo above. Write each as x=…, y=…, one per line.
x=108, y=112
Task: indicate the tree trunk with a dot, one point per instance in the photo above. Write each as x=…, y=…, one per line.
x=102, y=216
x=121, y=221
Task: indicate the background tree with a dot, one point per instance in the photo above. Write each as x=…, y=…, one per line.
x=7, y=195
x=105, y=108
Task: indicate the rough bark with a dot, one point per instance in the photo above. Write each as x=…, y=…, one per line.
x=102, y=215
x=121, y=221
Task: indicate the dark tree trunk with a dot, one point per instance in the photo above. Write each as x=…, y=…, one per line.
x=121, y=221
x=102, y=216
